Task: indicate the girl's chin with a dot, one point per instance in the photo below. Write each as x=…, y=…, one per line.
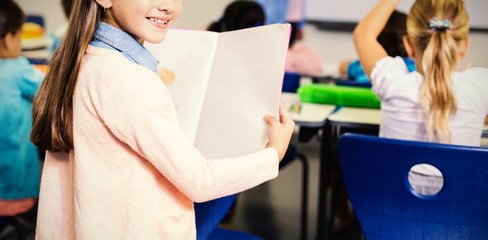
x=156, y=38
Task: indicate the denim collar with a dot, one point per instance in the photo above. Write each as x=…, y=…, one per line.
x=107, y=36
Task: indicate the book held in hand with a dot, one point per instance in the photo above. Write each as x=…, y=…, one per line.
x=224, y=84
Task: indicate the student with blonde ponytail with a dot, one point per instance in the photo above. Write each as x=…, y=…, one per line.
x=118, y=164
x=436, y=103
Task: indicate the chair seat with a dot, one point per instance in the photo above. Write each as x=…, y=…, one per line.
x=208, y=215
x=291, y=82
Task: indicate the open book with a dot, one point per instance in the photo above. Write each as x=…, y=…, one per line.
x=225, y=83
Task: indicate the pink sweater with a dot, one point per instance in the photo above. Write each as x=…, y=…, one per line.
x=133, y=174
x=303, y=60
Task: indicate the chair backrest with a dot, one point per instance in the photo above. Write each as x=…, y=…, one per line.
x=34, y=18
x=209, y=215
x=291, y=82
x=375, y=172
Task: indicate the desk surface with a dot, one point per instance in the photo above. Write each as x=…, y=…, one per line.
x=356, y=116
x=307, y=114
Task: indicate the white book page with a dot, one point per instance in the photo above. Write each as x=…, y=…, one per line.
x=244, y=86
x=189, y=55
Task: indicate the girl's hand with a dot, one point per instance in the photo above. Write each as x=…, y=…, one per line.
x=280, y=131
x=365, y=35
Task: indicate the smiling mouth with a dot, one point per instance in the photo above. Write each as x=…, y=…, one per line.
x=158, y=21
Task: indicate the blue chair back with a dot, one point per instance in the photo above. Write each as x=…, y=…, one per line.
x=208, y=217
x=38, y=19
x=291, y=82
x=375, y=172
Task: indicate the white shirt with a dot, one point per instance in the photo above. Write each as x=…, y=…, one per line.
x=402, y=114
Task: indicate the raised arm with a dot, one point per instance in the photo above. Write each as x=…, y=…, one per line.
x=367, y=31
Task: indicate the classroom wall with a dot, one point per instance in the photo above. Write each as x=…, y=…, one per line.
x=333, y=10
x=51, y=10
x=332, y=46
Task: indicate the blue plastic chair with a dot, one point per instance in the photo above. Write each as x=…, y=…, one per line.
x=34, y=18
x=375, y=173
x=210, y=214
x=208, y=217
x=291, y=82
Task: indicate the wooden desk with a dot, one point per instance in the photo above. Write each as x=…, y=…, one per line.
x=353, y=116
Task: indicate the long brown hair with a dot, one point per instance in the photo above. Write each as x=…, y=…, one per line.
x=439, y=59
x=53, y=104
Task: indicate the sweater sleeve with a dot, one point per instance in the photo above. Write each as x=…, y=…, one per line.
x=136, y=107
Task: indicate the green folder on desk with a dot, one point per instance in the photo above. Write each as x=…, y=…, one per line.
x=339, y=95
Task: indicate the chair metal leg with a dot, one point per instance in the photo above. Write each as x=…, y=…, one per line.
x=304, y=207
x=334, y=202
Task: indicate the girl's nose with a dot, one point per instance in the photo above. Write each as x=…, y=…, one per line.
x=165, y=5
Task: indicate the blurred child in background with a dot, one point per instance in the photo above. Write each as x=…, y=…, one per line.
x=435, y=103
x=301, y=58
x=391, y=38
x=19, y=82
x=239, y=15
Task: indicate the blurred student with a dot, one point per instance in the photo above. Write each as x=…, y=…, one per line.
x=19, y=82
x=301, y=58
x=118, y=165
x=239, y=15
x=391, y=38
x=435, y=103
